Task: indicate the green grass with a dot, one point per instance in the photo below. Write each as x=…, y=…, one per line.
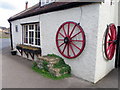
x=49, y=75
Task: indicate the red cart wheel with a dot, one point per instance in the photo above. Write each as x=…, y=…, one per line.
x=110, y=41
x=70, y=40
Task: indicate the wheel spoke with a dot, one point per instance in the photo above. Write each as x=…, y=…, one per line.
x=72, y=49
x=76, y=34
x=110, y=42
x=110, y=36
x=110, y=52
x=64, y=31
x=60, y=39
x=112, y=28
x=109, y=47
x=62, y=44
x=78, y=40
x=61, y=34
x=64, y=48
x=111, y=33
x=68, y=28
x=73, y=30
x=113, y=49
x=75, y=46
x=68, y=50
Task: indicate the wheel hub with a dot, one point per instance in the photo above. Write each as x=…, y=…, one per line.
x=66, y=40
x=115, y=41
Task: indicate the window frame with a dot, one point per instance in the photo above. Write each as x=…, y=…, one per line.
x=46, y=2
x=28, y=35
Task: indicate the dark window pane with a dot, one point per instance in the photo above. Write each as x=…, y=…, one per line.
x=38, y=41
x=32, y=34
x=38, y=34
x=35, y=34
x=32, y=27
x=29, y=34
x=36, y=28
x=16, y=28
x=35, y=41
x=30, y=40
x=26, y=40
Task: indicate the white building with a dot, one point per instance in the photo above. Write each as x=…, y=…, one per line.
x=38, y=26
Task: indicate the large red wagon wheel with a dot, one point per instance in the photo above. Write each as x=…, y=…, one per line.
x=70, y=39
x=110, y=41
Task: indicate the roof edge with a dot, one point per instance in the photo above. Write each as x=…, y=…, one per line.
x=52, y=9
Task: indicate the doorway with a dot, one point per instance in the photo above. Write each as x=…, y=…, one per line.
x=117, y=62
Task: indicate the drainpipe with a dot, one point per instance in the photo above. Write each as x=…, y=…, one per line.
x=11, y=36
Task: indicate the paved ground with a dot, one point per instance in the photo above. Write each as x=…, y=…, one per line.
x=5, y=42
x=17, y=73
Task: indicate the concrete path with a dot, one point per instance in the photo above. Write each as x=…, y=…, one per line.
x=17, y=73
x=4, y=43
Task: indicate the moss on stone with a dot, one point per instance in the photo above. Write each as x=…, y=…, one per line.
x=53, y=66
x=48, y=74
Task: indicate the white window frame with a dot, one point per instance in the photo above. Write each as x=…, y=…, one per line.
x=29, y=35
x=45, y=2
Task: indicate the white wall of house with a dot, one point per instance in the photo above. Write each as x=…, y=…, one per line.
x=84, y=65
x=17, y=36
x=119, y=13
x=108, y=14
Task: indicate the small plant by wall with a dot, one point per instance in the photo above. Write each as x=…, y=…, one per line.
x=52, y=66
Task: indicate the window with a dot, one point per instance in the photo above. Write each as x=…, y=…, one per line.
x=31, y=34
x=16, y=28
x=25, y=34
x=45, y=2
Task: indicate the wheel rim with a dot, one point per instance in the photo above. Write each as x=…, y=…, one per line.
x=70, y=40
x=110, y=41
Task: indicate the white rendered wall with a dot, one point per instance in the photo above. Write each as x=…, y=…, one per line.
x=119, y=13
x=106, y=16
x=16, y=36
x=84, y=65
